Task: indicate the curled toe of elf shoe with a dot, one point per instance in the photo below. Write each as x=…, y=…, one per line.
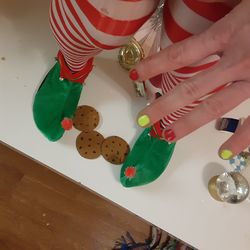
x=57, y=98
x=147, y=160
x=55, y=103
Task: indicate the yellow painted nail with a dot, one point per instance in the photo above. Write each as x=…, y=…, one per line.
x=226, y=154
x=143, y=121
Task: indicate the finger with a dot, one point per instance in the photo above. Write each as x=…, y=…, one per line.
x=178, y=55
x=210, y=109
x=237, y=143
x=188, y=92
x=188, y=51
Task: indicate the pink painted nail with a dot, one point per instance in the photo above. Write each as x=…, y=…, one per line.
x=133, y=75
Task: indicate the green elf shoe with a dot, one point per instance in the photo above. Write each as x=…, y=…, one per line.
x=57, y=98
x=147, y=160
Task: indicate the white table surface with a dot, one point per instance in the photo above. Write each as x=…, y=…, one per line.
x=178, y=201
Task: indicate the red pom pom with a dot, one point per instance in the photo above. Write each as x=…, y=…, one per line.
x=67, y=124
x=130, y=172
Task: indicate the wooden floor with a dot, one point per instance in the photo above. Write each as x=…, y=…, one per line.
x=40, y=209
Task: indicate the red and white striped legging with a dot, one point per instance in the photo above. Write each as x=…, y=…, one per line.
x=83, y=28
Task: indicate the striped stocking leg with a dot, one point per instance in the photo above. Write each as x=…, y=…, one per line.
x=83, y=28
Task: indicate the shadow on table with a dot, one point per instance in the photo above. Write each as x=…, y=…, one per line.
x=112, y=69
x=29, y=19
x=210, y=170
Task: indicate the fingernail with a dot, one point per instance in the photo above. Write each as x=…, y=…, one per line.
x=169, y=135
x=133, y=75
x=143, y=121
x=226, y=154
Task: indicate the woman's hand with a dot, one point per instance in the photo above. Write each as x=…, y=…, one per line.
x=230, y=38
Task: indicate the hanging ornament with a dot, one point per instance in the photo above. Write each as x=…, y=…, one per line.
x=130, y=54
x=145, y=42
